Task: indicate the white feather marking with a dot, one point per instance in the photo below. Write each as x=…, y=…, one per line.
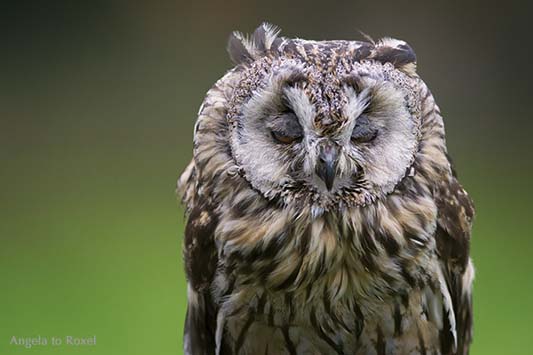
x=221, y=318
x=390, y=42
x=184, y=178
x=271, y=33
x=356, y=104
x=302, y=106
x=417, y=242
x=448, y=306
x=468, y=278
x=434, y=305
x=247, y=42
x=192, y=296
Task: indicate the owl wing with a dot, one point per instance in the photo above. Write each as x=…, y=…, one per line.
x=455, y=214
x=200, y=257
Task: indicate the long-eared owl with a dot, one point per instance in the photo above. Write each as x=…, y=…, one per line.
x=324, y=216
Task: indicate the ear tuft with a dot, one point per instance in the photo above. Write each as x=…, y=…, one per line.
x=238, y=52
x=271, y=33
x=396, y=52
x=244, y=49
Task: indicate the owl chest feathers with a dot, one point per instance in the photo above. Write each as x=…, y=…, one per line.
x=364, y=252
x=345, y=274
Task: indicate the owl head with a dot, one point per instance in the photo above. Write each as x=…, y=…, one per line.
x=330, y=124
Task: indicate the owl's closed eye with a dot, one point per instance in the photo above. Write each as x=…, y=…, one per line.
x=285, y=127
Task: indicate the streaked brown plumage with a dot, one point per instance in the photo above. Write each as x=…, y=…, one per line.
x=323, y=213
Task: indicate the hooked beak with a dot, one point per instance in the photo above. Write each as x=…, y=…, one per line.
x=327, y=164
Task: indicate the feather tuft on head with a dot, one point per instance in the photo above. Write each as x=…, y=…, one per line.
x=243, y=48
x=396, y=52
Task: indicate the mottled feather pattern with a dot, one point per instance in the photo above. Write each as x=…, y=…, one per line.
x=277, y=266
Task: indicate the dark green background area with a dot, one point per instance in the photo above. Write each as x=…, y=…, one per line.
x=97, y=105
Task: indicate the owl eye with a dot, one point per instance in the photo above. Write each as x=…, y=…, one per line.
x=284, y=138
x=286, y=128
x=363, y=131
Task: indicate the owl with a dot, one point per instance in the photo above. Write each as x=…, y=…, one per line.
x=323, y=213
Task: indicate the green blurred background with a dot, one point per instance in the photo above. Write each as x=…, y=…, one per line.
x=97, y=104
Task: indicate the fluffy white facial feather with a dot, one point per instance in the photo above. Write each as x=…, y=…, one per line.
x=289, y=92
x=387, y=158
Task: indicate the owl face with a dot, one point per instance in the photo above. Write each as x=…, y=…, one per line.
x=323, y=128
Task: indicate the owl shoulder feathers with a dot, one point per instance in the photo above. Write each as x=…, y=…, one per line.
x=204, y=172
x=454, y=225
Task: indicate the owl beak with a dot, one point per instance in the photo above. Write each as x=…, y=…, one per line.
x=327, y=165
